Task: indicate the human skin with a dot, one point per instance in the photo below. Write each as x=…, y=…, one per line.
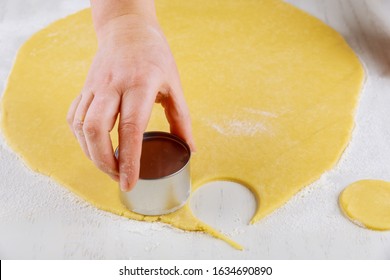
x=132, y=69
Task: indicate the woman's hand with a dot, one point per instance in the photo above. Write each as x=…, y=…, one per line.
x=133, y=68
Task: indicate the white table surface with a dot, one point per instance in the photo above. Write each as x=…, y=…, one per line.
x=39, y=219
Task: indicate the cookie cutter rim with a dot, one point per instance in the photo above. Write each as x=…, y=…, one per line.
x=167, y=135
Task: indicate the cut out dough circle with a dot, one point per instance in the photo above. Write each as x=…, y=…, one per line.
x=367, y=203
x=272, y=93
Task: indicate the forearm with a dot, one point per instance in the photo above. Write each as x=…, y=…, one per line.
x=104, y=11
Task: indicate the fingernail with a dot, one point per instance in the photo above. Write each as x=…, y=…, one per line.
x=123, y=188
x=124, y=185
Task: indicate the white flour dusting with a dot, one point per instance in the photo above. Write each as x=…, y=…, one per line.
x=260, y=112
x=239, y=128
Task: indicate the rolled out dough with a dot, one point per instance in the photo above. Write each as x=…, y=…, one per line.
x=272, y=93
x=367, y=203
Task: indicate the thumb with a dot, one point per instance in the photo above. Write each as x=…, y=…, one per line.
x=178, y=116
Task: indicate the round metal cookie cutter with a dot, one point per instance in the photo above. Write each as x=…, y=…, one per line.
x=164, y=183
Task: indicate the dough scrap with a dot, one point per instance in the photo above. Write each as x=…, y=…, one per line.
x=272, y=93
x=367, y=204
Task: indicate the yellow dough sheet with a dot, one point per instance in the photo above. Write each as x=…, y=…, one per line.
x=272, y=93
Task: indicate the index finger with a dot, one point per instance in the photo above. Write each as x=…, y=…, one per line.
x=136, y=108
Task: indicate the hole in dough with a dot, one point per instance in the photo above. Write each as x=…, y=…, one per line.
x=224, y=205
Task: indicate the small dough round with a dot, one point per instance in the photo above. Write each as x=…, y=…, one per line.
x=367, y=203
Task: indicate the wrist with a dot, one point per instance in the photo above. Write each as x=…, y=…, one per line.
x=106, y=12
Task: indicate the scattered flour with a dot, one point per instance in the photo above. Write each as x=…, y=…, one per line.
x=239, y=128
x=260, y=112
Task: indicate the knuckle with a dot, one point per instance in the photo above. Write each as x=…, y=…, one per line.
x=78, y=126
x=138, y=81
x=108, y=79
x=141, y=78
x=91, y=129
x=130, y=127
